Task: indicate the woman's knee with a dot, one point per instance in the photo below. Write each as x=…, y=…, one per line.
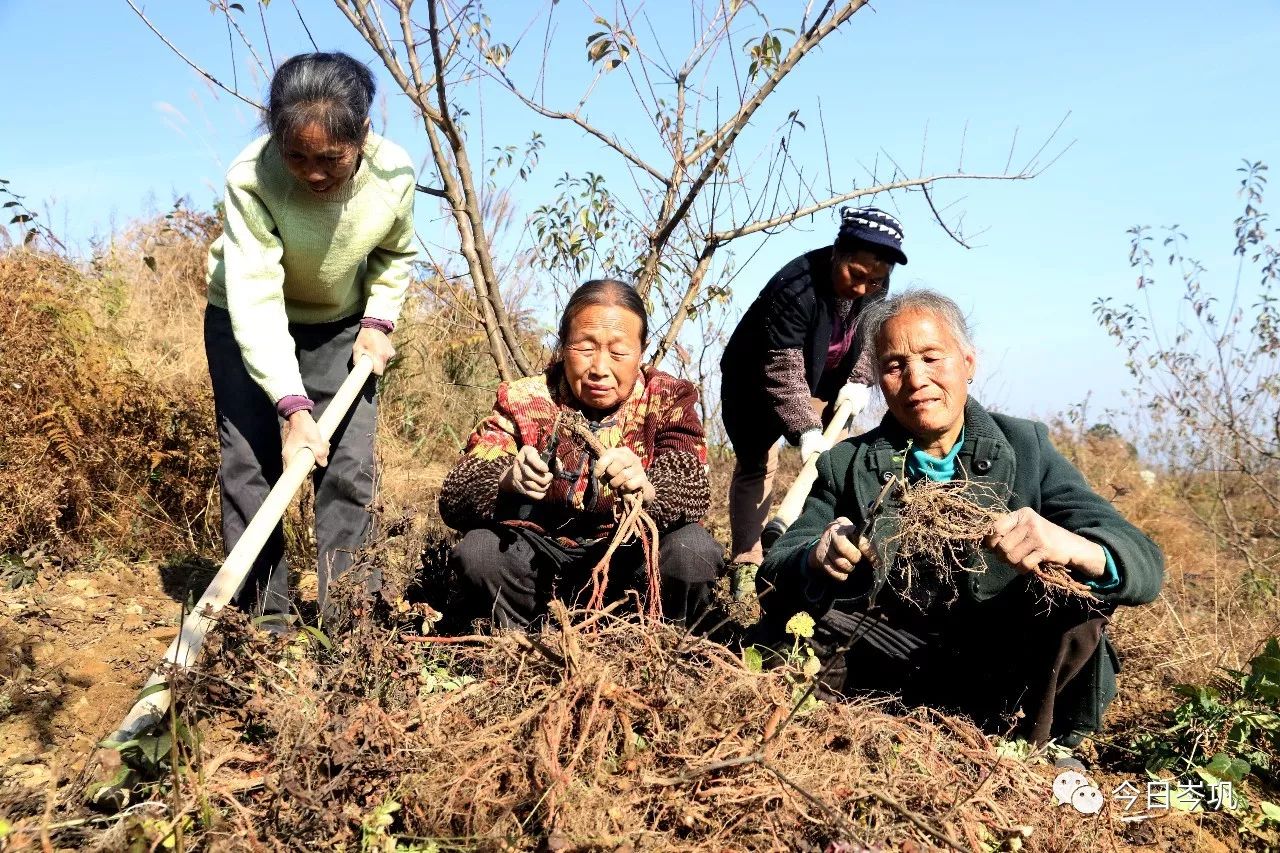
x=476, y=559
x=690, y=554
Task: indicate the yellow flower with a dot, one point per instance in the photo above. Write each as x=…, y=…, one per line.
x=800, y=625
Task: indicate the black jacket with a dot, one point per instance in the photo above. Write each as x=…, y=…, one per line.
x=795, y=310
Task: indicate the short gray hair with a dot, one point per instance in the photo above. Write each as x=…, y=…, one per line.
x=333, y=90
x=915, y=299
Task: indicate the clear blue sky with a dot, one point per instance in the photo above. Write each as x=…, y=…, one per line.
x=105, y=123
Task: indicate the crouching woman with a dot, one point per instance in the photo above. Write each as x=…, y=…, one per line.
x=539, y=505
x=993, y=642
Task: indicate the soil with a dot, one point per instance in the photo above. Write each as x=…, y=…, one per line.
x=76, y=648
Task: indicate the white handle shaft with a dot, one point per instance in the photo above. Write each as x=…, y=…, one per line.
x=794, y=500
x=227, y=582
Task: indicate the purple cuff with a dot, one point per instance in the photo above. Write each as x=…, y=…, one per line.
x=384, y=326
x=286, y=406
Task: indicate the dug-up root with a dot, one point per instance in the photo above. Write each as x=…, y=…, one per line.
x=623, y=735
x=940, y=528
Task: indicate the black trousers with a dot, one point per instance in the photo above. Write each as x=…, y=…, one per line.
x=509, y=575
x=1017, y=663
x=249, y=435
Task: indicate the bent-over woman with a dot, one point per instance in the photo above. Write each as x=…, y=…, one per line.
x=793, y=358
x=309, y=275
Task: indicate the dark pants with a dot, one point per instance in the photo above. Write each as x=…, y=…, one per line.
x=988, y=661
x=754, y=433
x=508, y=576
x=249, y=435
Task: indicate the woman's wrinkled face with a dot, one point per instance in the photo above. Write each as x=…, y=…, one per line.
x=602, y=355
x=924, y=374
x=859, y=273
x=319, y=161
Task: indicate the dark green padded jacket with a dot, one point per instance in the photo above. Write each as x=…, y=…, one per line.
x=1012, y=455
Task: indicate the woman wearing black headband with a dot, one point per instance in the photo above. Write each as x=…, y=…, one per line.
x=793, y=358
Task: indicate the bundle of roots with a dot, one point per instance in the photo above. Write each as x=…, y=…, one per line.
x=939, y=533
x=600, y=733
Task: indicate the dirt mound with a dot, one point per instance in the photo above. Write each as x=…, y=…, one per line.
x=600, y=733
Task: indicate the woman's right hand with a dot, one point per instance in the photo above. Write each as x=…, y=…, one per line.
x=839, y=550
x=528, y=475
x=301, y=430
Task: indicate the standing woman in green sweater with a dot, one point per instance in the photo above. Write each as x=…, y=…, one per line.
x=309, y=274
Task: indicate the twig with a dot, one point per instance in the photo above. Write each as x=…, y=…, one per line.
x=689, y=775
x=214, y=80
x=918, y=822
x=437, y=638
x=305, y=28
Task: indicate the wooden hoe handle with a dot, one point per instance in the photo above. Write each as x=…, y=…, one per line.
x=151, y=708
x=794, y=500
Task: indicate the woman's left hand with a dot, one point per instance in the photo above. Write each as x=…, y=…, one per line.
x=375, y=344
x=1024, y=539
x=623, y=472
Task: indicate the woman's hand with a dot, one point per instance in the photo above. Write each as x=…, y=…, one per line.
x=528, y=475
x=1024, y=539
x=375, y=344
x=623, y=472
x=301, y=430
x=837, y=552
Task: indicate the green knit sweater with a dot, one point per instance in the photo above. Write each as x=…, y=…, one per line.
x=288, y=255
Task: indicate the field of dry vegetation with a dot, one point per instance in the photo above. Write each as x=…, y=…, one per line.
x=602, y=734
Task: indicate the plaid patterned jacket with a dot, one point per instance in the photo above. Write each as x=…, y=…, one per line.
x=658, y=422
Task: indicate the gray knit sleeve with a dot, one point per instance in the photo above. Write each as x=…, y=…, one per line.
x=788, y=390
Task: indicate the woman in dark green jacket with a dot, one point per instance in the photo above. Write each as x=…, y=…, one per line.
x=996, y=645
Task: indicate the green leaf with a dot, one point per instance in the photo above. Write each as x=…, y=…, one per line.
x=1265, y=665
x=752, y=659
x=1269, y=810
x=152, y=690
x=1224, y=768
x=319, y=636
x=155, y=748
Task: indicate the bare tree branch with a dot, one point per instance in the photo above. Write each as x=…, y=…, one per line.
x=231, y=21
x=205, y=74
x=574, y=118
x=722, y=141
x=305, y=28
x=438, y=193
x=906, y=183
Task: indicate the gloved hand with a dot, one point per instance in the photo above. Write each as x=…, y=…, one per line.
x=528, y=475
x=811, y=442
x=836, y=552
x=855, y=393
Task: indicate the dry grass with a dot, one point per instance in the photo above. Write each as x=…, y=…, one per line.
x=601, y=734
x=598, y=739
x=93, y=451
